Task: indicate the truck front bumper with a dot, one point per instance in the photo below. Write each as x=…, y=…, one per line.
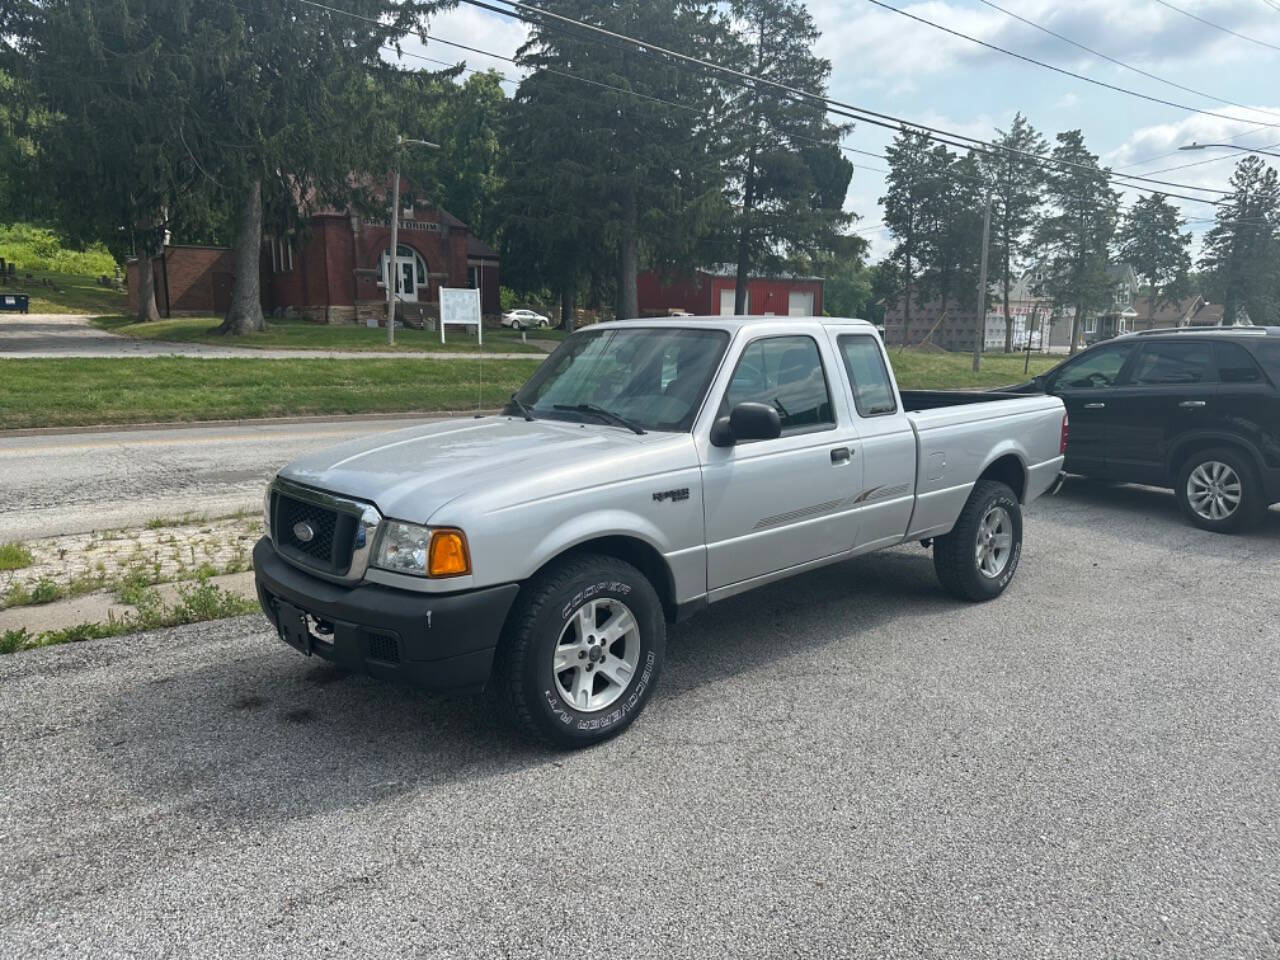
x=430, y=640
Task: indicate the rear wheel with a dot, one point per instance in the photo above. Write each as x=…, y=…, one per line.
x=978, y=558
x=1218, y=490
x=582, y=652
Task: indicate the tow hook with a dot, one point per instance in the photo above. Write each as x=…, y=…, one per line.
x=927, y=542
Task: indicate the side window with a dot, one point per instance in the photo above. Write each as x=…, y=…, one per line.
x=872, y=391
x=1096, y=370
x=1235, y=365
x=786, y=373
x=1268, y=354
x=1171, y=362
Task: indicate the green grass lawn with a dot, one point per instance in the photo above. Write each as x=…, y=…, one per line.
x=916, y=370
x=71, y=293
x=302, y=335
x=76, y=391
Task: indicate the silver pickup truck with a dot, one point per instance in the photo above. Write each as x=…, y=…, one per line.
x=647, y=469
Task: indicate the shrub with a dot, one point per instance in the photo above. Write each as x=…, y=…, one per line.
x=38, y=250
x=14, y=556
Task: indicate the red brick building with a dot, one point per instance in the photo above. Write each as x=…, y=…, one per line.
x=710, y=293
x=337, y=273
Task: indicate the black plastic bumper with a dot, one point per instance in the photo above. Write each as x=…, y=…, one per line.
x=430, y=640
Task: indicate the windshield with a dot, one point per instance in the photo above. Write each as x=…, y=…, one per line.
x=655, y=377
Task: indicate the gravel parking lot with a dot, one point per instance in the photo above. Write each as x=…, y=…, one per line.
x=846, y=764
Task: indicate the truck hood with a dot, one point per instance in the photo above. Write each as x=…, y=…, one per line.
x=410, y=474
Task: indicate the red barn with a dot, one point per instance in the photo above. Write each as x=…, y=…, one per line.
x=338, y=273
x=711, y=293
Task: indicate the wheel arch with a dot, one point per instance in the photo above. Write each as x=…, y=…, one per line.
x=629, y=548
x=1186, y=447
x=1009, y=469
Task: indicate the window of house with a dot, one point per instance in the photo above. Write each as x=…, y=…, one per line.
x=1170, y=362
x=872, y=390
x=785, y=373
x=1091, y=325
x=403, y=253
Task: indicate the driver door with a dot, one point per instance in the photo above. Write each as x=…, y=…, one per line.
x=1086, y=386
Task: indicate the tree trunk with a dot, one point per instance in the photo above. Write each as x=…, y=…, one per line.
x=566, y=307
x=628, y=298
x=147, y=308
x=1076, y=321
x=245, y=314
x=906, y=302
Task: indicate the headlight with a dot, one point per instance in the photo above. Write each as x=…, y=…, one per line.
x=422, y=551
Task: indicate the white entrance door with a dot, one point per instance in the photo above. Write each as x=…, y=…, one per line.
x=726, y=301
x=408, y=289
x=800, y=303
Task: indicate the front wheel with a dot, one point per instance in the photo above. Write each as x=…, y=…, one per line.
x=978, y=558
x=581, y=652
x=1218, y=490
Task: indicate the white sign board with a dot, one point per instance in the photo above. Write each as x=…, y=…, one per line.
x=460, y=307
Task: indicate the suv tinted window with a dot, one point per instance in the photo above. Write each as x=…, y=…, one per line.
x=1235, y=365
x=1268, y=354
x=872, y=392
x=1096, y=370
x=786, y=373
x=1172, y=362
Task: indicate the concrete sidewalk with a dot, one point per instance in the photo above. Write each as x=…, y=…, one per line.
x=47, y=336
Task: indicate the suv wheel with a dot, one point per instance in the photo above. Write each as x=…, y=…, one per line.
x=1218, y=490
x=978, y=558
x=581, y=652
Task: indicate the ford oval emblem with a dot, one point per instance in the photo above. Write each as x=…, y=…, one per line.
x=302, y=530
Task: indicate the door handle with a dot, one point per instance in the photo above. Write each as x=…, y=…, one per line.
x=1095, y=406
x=841, y=455
x=1191, y=404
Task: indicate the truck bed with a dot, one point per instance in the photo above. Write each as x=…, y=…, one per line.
x=933, y=399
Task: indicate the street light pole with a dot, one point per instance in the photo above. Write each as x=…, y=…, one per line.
x=1228, y=146
x=393, y=262
x=978, y=341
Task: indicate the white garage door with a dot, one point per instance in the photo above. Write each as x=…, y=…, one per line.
x=800, y=303
x=726, y=301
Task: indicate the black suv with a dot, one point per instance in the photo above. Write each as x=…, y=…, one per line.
x=1194, y=409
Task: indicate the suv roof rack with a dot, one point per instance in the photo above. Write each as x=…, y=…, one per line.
x=1239, y=331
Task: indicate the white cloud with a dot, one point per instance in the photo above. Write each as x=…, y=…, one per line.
x=1068, y=101
x=475, y=28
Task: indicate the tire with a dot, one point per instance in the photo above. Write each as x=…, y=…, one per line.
x=964, y=568
x=552, y=614
x=1218, y=490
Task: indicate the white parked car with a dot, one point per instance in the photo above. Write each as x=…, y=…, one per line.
x=524, y=320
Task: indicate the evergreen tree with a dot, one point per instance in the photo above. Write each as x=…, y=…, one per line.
x=1074, y=236
x=909, y=182
x=788, y=178
x=1242, y=252
x=951, y=237
x=620, y=158
x=1152, y=242
x=1017, y=187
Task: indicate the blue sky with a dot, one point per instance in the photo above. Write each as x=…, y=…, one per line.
x=884, y=62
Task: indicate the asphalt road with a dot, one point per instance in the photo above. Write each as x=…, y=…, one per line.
x=846, y=764
x=62, y=483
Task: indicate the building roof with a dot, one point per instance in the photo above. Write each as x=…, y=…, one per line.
x=1193, y=310
x=479, y=249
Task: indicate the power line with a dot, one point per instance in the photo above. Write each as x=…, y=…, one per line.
x=1049, y=66
x=1121, y=63
x=836, y=107
x=1210, y=23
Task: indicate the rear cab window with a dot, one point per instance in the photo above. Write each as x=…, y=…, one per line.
x=868, y=377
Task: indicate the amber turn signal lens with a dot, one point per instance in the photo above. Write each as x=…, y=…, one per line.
x=448, y=557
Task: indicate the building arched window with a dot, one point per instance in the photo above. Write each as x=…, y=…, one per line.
x=403, y=252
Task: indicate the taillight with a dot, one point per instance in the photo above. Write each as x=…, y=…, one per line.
x=1062, y=446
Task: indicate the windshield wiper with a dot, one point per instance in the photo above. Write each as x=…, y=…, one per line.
x=614, y=418
x=522, y=407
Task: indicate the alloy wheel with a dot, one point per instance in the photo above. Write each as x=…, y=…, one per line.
x=596, y=655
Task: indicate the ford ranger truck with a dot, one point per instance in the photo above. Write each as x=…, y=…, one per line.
x=646, y=469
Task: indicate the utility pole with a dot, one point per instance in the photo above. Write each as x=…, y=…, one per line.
x=393, y=262
x=982, y=288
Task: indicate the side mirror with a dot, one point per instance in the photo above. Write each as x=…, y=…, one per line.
x=747, y=421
